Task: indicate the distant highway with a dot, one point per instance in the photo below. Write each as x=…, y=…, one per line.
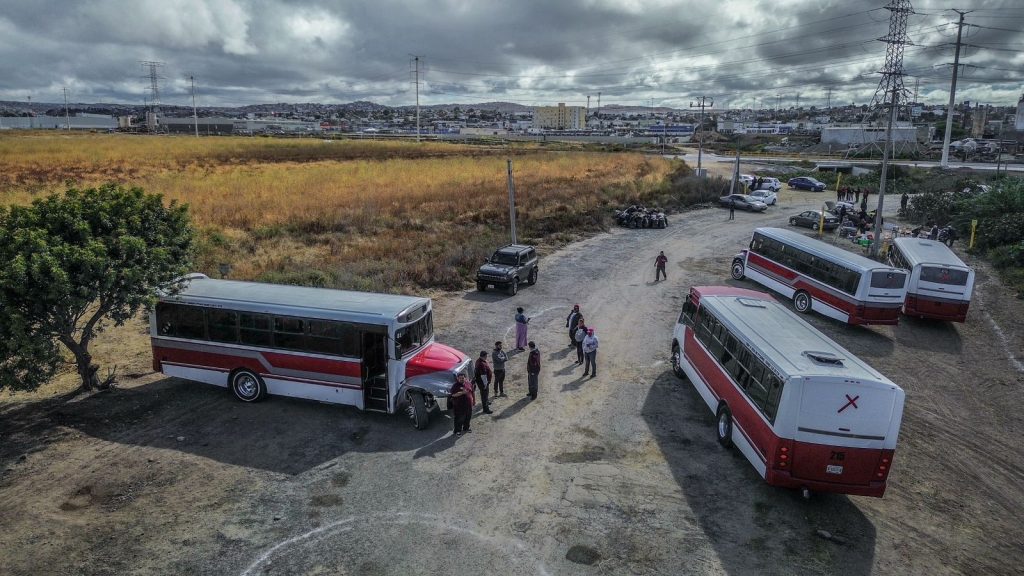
x=691, y=158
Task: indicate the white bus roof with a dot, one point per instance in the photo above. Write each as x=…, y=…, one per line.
x=920, y=251
x=823, y=249
x=786, y=340
x=317, y=302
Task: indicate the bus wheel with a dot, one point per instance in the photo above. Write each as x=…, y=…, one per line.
x=724, y=427
x=248, y=387
x=802, y=302
x=513, y=287
x=737, y=270
x=677, y=362
x=418, y=412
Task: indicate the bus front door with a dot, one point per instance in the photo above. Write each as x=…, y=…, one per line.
x=375, y=372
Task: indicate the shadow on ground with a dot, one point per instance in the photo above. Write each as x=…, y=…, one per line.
x=754, y=528
x=283, y=435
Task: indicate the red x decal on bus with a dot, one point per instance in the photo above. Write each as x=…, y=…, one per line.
x=849, y=402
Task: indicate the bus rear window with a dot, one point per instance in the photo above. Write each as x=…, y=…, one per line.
x=892, y=280
x=951, y=277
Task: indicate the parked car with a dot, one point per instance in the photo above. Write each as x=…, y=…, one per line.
x=834, y=206
x=508, y=267
x=743, y=202
x=812, y=219
x=766, y=196
x=767, y=182
x=806, y=183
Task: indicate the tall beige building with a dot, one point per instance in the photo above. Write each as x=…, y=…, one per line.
x=560, y=117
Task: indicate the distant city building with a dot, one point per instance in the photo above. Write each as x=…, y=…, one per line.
x=1019, y=124
x=92, y=122
x=857, y=135
x=560, y=117
x=726, y=126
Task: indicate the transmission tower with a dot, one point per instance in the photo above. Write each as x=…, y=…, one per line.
x=154, y=82
x=891, y=88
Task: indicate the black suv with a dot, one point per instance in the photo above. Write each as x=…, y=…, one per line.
x=508, y=267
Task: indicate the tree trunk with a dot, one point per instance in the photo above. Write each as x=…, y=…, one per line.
x=83, y=361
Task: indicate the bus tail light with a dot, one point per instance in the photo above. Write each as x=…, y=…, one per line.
x=884, y=465
x=784, y=455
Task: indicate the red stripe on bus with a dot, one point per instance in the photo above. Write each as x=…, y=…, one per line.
x=318, y=365
x=212, y=360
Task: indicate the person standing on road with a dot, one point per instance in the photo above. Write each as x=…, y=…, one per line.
x=484, y=375
x=934, y=233
x=570, y=323
x=498, y=357
x=856, y=195
x=578, y=336
x=521, y=326
x=732, y=208
x=461, y=398
x=659, y=266
x=533, y=371
x=590, y=349
x=903, y=202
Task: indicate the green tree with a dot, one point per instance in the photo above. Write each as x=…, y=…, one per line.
x=74, y=262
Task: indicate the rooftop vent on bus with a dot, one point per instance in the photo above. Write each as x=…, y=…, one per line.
x=751, y=302
x=825, y=358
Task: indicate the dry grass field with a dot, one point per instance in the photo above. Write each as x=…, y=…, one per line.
x=371, y=215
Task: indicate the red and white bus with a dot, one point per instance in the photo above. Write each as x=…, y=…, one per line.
x=822, y=277
x=940, y=284
x=372, y=351
x=806, y=413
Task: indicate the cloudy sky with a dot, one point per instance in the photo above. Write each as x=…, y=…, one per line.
x=739, y=52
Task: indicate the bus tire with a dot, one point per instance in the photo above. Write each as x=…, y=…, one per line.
x=677, y=362
x=802, y=302
x=420, y=416
x=723, y=426
x=738, y=270
x=513, y=287
x=247, y=386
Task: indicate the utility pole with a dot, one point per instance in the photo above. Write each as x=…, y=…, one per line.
x=511, y=202
x=416, y=59
x=195, y=113
x=892, y=82
x=702, y=103
x=588, y=106
x=952, y=91
x=67, y=115
x=797, y=100
x=30, y=115
x=599, y=108
x=828, y=99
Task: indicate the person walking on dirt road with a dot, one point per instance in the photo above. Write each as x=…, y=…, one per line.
x=533, y=371
x=521, y=326
x=483, y=375
x=590, y=349
x=903, y=202
x=659, y=266
x=498, y=357
x=578, y=336
x=461, y=398
x=570, y=323
x=732, y=209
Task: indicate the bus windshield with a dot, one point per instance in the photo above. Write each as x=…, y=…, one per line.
x=414, y=335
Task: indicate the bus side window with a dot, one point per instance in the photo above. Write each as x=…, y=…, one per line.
x=774, y=388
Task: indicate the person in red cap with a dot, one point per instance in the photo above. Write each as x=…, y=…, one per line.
x=590, y=351
x=571, y=321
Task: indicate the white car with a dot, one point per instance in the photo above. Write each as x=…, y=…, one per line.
x=767, y=182
x=766, y=196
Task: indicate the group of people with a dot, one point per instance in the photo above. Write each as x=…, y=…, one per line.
x=462, y=394
x=756, y=183
x=853, y=195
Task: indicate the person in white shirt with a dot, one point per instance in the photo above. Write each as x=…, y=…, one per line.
x=590, y=353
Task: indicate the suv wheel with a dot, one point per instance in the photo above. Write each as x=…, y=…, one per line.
x=481, y=286
x=513, y=287
x=532, y=278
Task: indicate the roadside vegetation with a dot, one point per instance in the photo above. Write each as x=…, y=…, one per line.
x=367, y=215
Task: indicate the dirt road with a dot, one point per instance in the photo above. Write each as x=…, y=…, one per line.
x=619, y=474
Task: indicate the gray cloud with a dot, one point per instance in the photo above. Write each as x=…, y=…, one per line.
x=531, y=51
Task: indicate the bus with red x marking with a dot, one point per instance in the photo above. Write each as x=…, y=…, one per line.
x=805, y=412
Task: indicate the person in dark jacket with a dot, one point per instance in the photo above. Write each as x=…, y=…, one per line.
x=483, y=375
x=498, y=357
x=461, y=398
x=732, y=209
x=533, y=370
x=659, y=266
x=570, y=323
x=578, y=336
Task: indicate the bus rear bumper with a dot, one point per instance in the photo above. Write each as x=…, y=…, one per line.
x=785, y=480
x=936, y=309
